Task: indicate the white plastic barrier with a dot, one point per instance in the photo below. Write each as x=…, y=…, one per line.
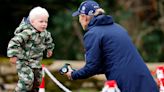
x=160, y=77
x=42, y=85
x=110, y=86
x=55, y=80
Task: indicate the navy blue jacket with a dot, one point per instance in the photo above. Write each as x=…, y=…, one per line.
x=110, y=51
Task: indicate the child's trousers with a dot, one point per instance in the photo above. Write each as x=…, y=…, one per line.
x=29, y=78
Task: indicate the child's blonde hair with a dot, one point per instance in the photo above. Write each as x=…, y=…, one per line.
x=37, y=11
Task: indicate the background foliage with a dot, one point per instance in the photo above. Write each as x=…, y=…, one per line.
x=144, y=21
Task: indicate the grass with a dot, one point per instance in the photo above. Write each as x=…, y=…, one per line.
x=4, y=59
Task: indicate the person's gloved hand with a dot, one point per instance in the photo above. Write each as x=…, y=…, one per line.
x=69, y=74
x=67, y=70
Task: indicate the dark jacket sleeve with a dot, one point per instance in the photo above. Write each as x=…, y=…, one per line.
x=92, y=43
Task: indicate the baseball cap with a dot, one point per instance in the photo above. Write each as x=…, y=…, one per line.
x=87, y=7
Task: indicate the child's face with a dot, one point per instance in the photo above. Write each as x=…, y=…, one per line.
x=40, y=22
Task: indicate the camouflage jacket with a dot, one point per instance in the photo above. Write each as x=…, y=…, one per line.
x=28, y=44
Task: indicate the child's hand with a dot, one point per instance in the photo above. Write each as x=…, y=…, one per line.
x=49, y=53
x=13, y=60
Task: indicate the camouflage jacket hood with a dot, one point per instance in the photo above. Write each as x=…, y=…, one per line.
x=25, y=24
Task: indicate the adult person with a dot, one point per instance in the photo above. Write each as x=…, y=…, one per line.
x=110, y=51
x=26, y=48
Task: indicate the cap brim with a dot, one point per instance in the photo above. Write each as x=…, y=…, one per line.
x=76, y=13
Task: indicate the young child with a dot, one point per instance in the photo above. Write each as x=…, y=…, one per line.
x=26, y=48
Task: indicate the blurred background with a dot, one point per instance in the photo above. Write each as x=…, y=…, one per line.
x=144, y=20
